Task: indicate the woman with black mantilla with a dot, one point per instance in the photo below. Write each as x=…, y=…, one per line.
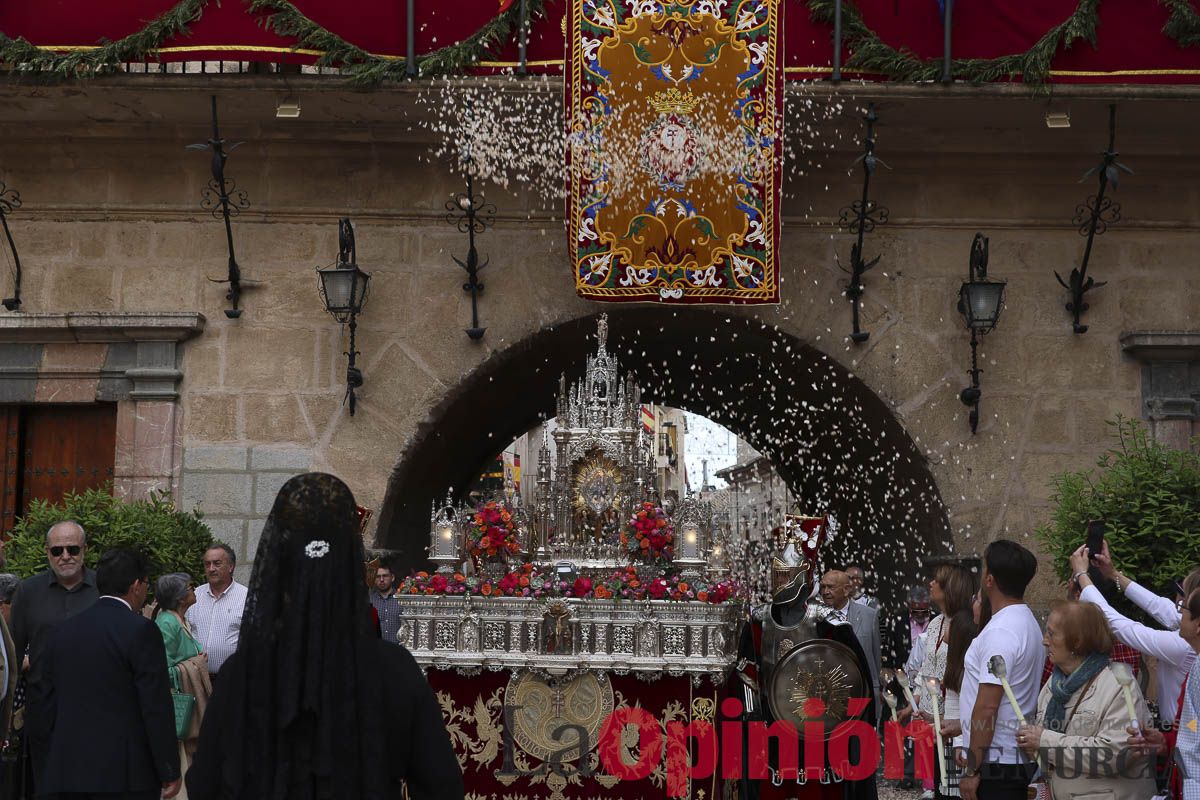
x=313, y=706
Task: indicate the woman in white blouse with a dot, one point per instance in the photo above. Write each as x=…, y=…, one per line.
x=964, y=627
x=1174, y=654
x=1185, y=771
x=951, y=590
x=1165, y=611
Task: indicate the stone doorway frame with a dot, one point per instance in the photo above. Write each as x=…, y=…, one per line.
x=130, y=358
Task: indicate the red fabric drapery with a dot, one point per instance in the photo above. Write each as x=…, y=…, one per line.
x=1131, y=47
x=472, y=708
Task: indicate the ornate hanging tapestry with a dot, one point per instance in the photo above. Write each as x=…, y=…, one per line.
x=675, y=115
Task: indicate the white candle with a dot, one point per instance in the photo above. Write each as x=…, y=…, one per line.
x=903, y=681
x=1124, y=676
x=998, y=668
x=935, y=693
x=890, y=699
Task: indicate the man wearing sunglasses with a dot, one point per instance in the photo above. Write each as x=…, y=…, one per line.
x=41, y=603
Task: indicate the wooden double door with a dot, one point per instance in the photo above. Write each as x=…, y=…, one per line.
x=50, y=450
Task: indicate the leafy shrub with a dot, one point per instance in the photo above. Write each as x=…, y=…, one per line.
x=172, y=540
x=1149, y=496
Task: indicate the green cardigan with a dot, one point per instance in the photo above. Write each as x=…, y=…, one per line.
x=180, y=644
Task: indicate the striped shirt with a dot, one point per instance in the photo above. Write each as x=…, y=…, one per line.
x=216, y=622
x=1187, y=746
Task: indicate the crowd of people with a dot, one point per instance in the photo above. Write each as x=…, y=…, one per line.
x=275, y=690
x=1096, y=705
x=293, y=686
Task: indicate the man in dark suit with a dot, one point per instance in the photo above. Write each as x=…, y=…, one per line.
x=113, y=721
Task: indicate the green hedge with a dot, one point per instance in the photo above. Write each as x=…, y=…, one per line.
x=172, y=540
x=1149, y=495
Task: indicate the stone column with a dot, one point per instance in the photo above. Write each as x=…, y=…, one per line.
x=148, y=424
x=1170, y=383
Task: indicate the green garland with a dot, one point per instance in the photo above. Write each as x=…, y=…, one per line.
x=281, y=17
x=1184, y=23
x=868, y=51
x=872, y=54
x=27, y=57
x=366, y=69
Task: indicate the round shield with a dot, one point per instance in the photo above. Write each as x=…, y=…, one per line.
x=815, y=682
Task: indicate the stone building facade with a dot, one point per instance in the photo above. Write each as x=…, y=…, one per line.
x=757, y=499
x=120, y=303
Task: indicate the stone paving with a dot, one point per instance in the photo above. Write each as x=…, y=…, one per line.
x=888, y=791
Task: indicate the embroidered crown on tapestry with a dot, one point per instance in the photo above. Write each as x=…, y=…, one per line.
x=675, y=118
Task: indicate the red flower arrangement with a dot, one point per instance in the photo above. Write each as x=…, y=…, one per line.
x=649, y=536
x=526, y=581
x=494, y=532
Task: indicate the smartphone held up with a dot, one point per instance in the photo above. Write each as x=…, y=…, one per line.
x=1096, y=531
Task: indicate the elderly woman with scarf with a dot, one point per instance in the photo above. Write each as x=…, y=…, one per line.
x=1081, y=741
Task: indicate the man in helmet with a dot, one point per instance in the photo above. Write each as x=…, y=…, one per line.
x=795, y=651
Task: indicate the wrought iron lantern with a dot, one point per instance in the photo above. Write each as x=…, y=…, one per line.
x=1092, y=218
x=344, y=289
x=979, y=301
x=860, y=218
x=468, y=212
x=692, y=521
x=224, y=200
x=444, y=540
x=10, y=200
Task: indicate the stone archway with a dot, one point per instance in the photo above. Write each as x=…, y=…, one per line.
x=830, y=437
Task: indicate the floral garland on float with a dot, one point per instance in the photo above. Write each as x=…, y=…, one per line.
x=492, y=538
x=649, y=538
x=528, y=581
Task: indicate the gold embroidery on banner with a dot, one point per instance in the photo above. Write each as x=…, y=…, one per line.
x=539, y=708
x=556, y=783
x=477, y=732
x=654, y=212
x=484, y=746
x=606, y=780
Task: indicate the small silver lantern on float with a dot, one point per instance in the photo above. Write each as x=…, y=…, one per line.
x=692, y=521
x=718, y=558
x=444, y=540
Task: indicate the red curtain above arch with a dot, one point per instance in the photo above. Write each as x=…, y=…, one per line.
x=1131, y=45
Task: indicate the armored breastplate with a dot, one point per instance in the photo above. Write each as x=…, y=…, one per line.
x=784, y=628
x=798, y=665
